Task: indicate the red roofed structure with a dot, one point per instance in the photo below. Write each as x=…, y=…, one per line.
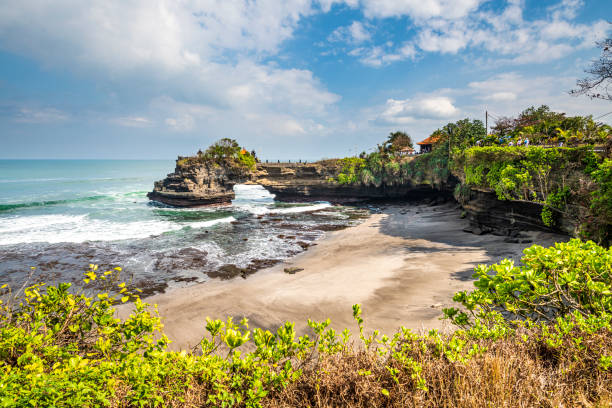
x=427, y=144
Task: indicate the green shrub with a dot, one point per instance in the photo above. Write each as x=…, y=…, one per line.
x=246, y=159
x=599, y=221
x=69, y=350
x=557, y=201
x=572, y=277
x=224, y=152
x=350, y=169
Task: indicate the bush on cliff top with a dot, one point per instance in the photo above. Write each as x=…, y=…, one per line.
x=224, y=152
x=64, y=349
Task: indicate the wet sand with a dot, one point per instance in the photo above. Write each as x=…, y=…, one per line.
x=402, y=265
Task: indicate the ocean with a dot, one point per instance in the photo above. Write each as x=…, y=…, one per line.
x=59, y=216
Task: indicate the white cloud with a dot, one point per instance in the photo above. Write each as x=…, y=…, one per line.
x=509, y=93
x=123, y=35
x=515, y=40
x=198, y=66
x=203, y=55
x=182, y=123
x=378, y=56
x=358, y=32
x=419, y=9
x=326, y=5
x=453, y=40
x=288, y=127
x=405, y=111
x=505, y=94
x=353, y=34
x=565, y=9
x=508, y=86
x=500, y=96
x=133, y=121
x=448, y=27
x=44, y=115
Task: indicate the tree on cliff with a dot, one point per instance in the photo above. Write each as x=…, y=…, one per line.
x=463, y=133
x=229, y=153
x=397, y=141
x=598, y=83
x=540, y=120
x=222, y=150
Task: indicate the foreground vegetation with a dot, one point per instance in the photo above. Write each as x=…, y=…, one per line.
x=532, y=335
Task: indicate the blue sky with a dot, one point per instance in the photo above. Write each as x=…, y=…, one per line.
x=291, y=79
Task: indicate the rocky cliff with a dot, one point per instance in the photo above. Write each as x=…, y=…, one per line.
x=196, y=184
x=487, y=214
x=311, y=182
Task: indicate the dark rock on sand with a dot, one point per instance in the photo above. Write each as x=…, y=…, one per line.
x=292, y=270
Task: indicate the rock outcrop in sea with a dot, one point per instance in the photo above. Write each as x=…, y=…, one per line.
x=195, y=183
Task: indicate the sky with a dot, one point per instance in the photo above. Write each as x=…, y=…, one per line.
x=291, y=79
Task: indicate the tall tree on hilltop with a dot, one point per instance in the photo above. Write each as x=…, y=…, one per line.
x=397, y=141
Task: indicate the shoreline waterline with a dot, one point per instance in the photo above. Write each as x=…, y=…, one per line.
x=402, y=264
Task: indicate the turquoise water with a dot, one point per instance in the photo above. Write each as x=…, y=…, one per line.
x=62, y=215
x=77, y=200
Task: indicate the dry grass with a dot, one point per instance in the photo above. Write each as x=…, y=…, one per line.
x=511, y=373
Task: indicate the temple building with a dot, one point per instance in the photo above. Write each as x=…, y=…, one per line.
x=427, y=144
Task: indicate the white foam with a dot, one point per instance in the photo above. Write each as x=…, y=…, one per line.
x=252, y=194
x=256, y=200
x=80, y=228
x=35, y=223
x=300, y=209
x=261, y=245
x=203, y=224
x=32, y=180
x=75, y=228
x=55, y=228
x=334, y=214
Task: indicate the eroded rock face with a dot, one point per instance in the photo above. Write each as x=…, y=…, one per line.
x=207, y=184
x=487, y=214
x=311, y=182
x=305, y=182
x=196, y=184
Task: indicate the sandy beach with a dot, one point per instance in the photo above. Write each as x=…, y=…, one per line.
x=403, y=266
